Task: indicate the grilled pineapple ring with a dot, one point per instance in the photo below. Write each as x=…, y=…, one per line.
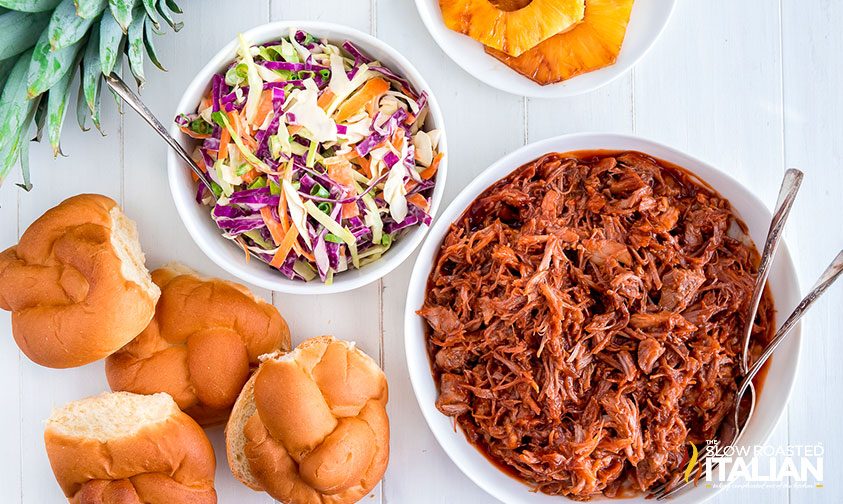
x=511, y=32
x=594, y=43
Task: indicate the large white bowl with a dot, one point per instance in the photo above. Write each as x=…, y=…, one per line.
x=197, y=217
x=783, y=283
x=649, y=17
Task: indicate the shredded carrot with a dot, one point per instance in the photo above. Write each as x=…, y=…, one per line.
x=192, y=134
x=398, y=139
x=273, y=225
x=430, y=171
x=325, y=99
x=340, y=172
x=284, y=247
x=372, y=106
x=245, y=248
x=194, y=176
x=411, y=118
x=302, y=252
x=372, y=89
x=365, y=166
x=418, y=200
x=225, y=138
x=410, y=185
x=250, y=176
x=294, y=128
x=264, y=108
x=282, y=211
x=206, y=102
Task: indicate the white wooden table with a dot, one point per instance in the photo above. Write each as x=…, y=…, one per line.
x=750, y=86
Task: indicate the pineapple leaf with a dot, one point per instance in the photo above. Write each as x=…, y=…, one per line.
x=82, y=111
x=122, y=11
x=118, y=71
x=149, y=5
x=15, y=107
x=24, y=147
x=91, y=72
x=5, y=69
x=20, y=30
x=174, y=6
x=135, y=47
x=90, y=9
x=150, y=47
x=29, y=5
x=40, y=120
x=48, y=67
x=66, y=28
x=57, y=99
x=111, y=40
x=168, y=17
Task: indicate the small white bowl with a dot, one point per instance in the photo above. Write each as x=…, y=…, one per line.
x=649, y=17
x=783, y=284
x=197, y=217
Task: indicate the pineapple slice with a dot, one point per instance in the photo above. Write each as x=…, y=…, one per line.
x=511, y=26
x=592, y=44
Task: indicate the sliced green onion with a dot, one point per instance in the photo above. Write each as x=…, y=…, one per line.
x=318, y=190
x=331, y=237
x=386, y=240
x=260, y=182
x=335, y=228
x=217, y=190
x=200, y=126
x=325, y=207
x=274, y=188
x=242, y=169
x=325, y=74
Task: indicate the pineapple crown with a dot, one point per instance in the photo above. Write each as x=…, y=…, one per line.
x=44, y=44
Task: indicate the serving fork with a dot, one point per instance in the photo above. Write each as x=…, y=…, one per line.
x=732, y=431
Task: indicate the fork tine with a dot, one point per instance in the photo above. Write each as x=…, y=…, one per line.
x=662, y=491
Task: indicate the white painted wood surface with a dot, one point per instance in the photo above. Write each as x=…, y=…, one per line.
x=752, y=87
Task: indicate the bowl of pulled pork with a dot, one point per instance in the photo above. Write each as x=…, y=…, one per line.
x=574, y=321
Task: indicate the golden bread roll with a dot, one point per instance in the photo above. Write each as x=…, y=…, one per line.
x=200, y=347
x=76, y=283
x=122, y=448
x=310, y=426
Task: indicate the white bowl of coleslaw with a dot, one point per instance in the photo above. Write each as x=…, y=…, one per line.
x=273, y=166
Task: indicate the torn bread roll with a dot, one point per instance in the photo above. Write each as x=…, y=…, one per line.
x=122, y=448
x=311, y=426
x=201, y=346
x=76, y=283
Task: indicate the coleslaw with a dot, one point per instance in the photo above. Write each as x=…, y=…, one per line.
x=318, y=156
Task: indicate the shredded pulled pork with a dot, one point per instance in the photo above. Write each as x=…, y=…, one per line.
x=586, y=318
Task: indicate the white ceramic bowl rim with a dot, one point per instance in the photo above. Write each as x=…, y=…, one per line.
x=783, y=281
x=226, y=255
x=649, y=19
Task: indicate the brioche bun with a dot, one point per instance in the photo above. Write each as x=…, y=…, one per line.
x=76, y=283
x=200, y=347
x=122, y=448
x=310, y=426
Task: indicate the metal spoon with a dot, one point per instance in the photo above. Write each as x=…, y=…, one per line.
x=730, y=433
x=829, y=276
x=128, y=96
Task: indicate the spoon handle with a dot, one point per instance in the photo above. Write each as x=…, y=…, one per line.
x=787, y=194
x=829, y=276
x=128, y=96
